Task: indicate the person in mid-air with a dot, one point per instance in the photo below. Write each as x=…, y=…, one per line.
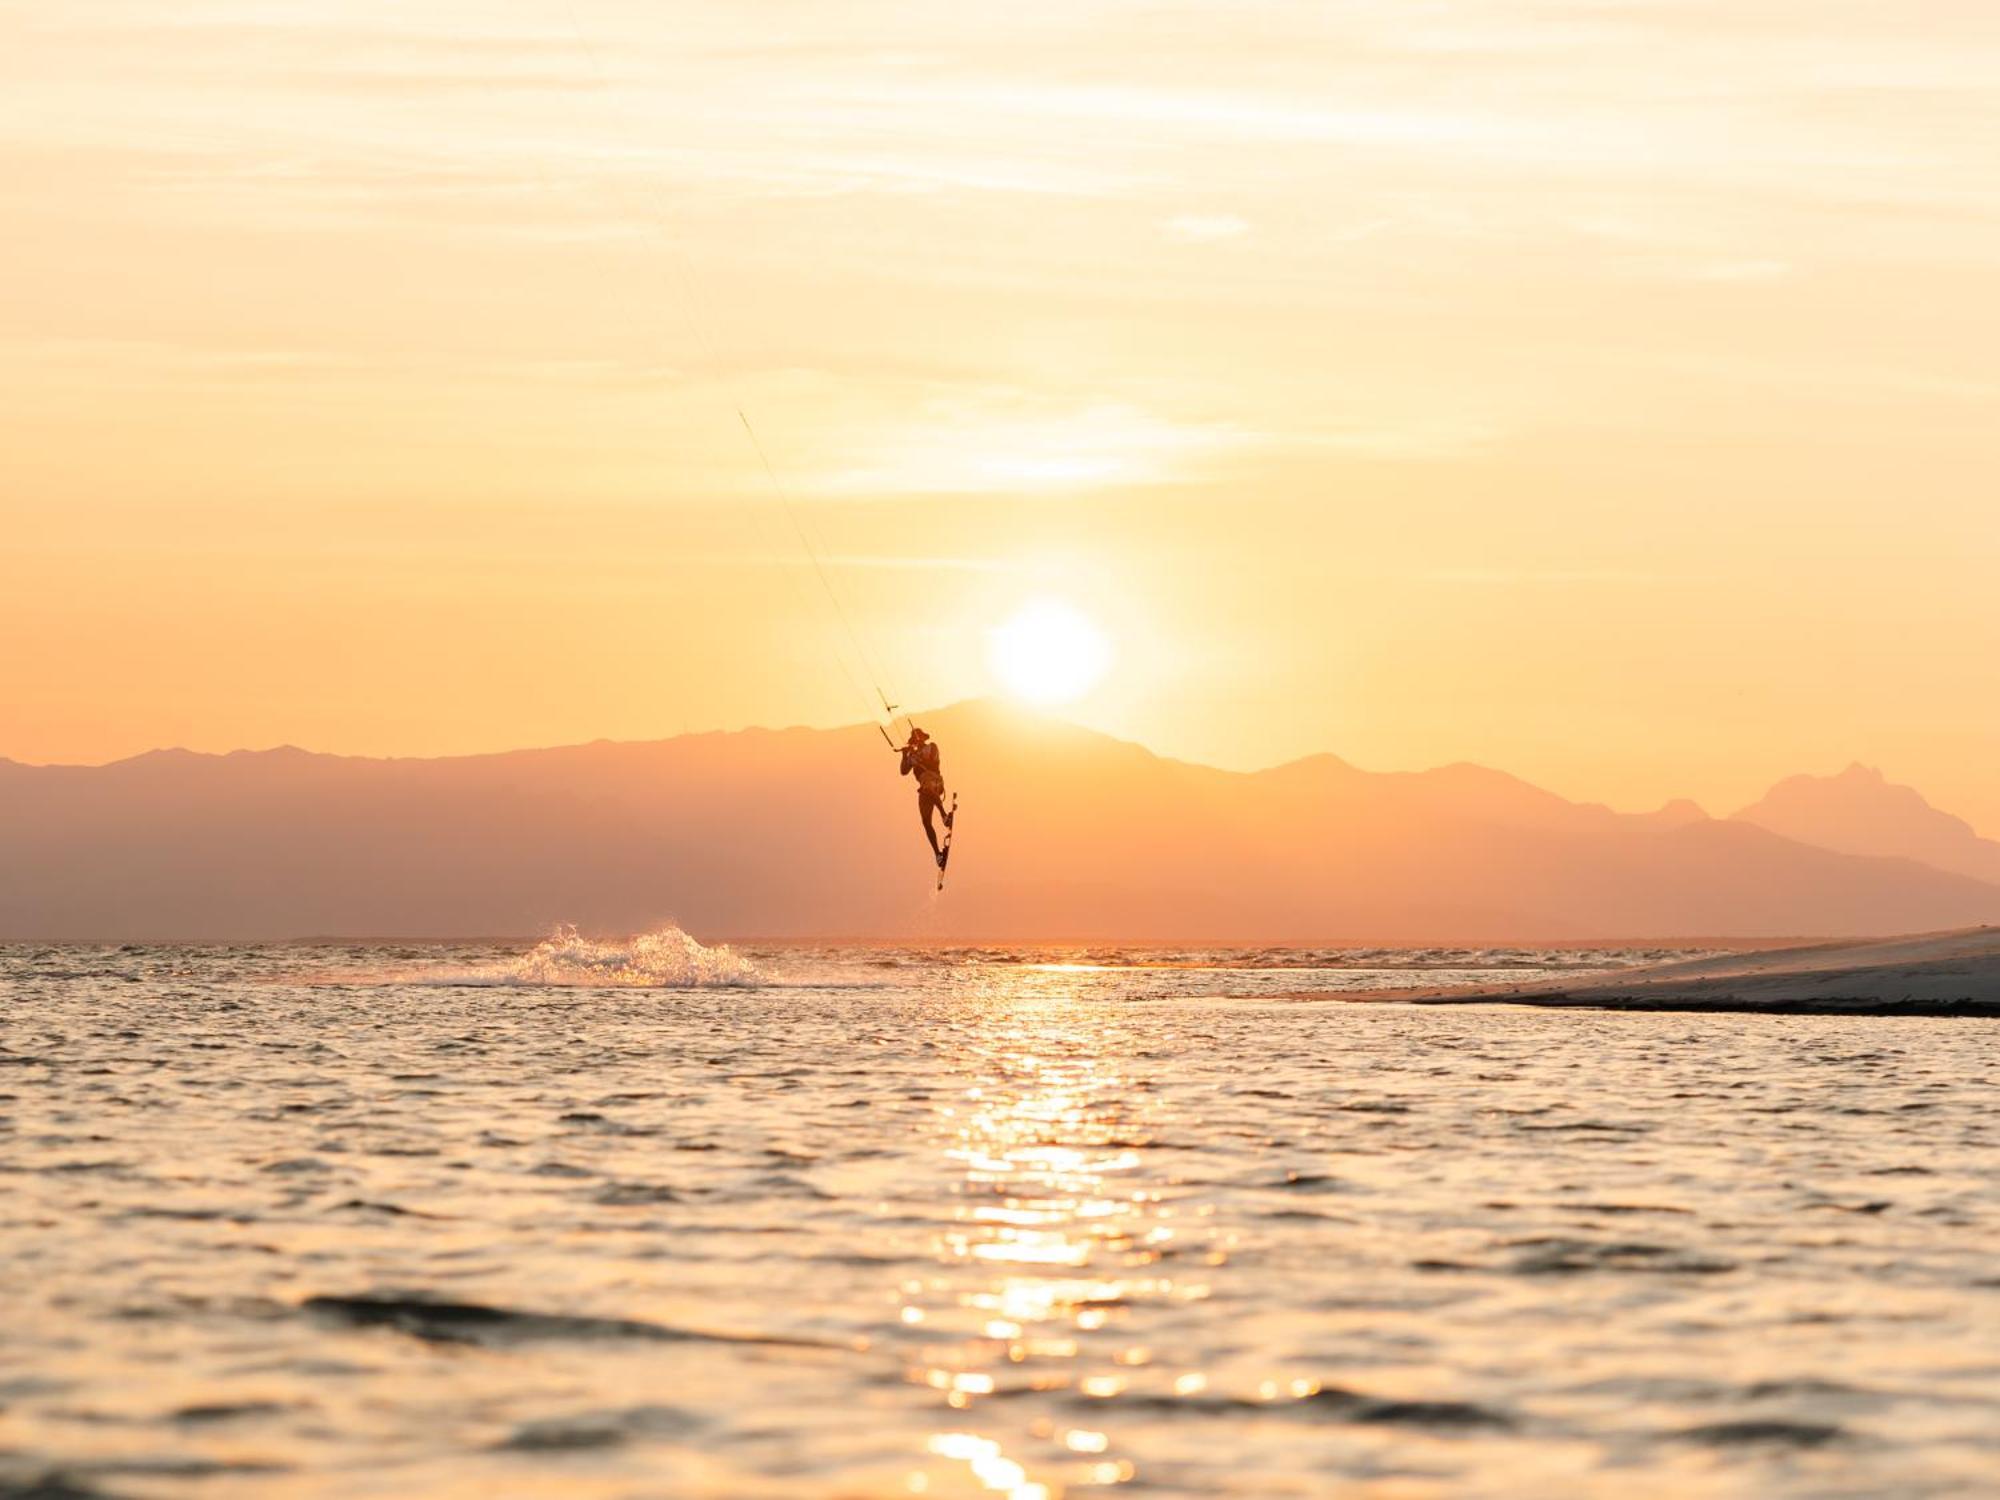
x=920, y=759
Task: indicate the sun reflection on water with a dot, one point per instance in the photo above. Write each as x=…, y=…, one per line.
x=1060, y=1230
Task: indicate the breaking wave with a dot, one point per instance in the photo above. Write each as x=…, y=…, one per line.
x=667, y=959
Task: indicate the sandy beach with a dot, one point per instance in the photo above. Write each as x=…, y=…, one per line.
x=1939, y=973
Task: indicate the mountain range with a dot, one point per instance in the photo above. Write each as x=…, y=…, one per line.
x=1065, y=834
x=1861, y=812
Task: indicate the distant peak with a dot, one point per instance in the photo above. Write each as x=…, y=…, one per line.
x=1681, y=810
x=1324, y=760
x=996, y=716
x=984, y=708
x=1856, y=779
x=1861, y=811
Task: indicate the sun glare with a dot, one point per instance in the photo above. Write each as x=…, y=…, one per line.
x=1048, y=652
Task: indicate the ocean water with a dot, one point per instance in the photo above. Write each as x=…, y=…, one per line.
x=655, y=1219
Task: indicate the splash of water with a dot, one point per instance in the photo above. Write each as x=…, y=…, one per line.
x=666, y=959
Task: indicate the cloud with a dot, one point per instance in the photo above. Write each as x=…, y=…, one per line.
x=993, y=565
x=1552, y=577
x=1205, y=227
x=1741, y=270
x=1002, y=445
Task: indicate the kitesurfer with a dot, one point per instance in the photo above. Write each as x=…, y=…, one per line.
x=920, y=759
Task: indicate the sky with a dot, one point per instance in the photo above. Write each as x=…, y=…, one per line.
x=1603, y=390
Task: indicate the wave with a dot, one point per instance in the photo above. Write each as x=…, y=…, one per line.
x=666, y=959
x=446, y=1322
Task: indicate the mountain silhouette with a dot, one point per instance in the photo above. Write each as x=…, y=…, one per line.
x=1064, y=834
x=1862, y=812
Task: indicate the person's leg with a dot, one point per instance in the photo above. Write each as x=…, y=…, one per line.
x=927, y=805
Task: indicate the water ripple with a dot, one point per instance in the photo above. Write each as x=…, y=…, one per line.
x=303, y=1222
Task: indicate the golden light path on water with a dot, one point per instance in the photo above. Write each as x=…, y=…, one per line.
x=1091, y=1204
x=1066, y=1232
x=1056, y=1236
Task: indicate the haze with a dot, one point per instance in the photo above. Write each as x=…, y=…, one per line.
x=1602, y=391
x=801, y=833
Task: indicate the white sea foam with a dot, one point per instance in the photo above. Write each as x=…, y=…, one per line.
x=666, y=959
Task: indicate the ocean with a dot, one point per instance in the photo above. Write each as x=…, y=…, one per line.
x=656, y=1219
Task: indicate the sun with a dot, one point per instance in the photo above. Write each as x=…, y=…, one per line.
x=1048, y=652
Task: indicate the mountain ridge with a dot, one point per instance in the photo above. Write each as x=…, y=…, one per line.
x=803, y=832
x=1860, y=811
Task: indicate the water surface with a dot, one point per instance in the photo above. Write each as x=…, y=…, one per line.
x=657, y=1220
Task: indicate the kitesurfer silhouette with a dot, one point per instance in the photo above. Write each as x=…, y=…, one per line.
x=920, y=759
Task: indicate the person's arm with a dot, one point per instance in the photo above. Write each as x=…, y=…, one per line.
x=908, y=763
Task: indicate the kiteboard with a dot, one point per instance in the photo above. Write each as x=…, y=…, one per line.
x=944, y=852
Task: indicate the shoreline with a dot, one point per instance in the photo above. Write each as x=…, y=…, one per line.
x=1931, y=974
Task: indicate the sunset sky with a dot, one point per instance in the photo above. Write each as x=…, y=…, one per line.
x=1603, y=391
